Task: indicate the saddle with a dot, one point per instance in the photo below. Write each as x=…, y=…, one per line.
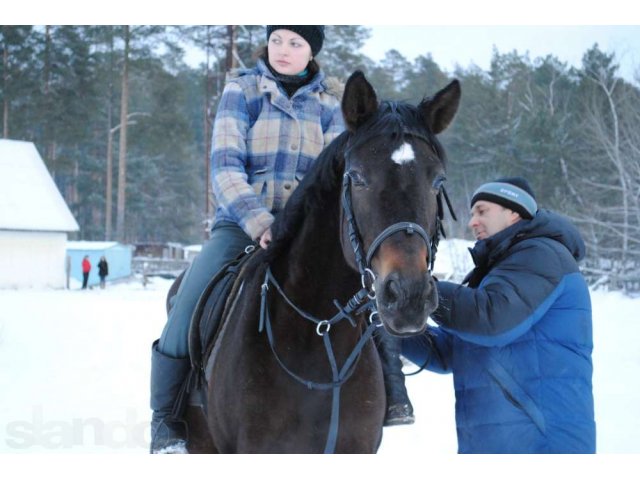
x=205, y=324
x=207, y=315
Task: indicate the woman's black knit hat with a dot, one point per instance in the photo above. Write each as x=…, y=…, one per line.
x=313, y=34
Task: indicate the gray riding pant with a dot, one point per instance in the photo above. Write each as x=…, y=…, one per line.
x=226, y=242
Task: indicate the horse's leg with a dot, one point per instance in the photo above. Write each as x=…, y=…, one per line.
x=199, y=437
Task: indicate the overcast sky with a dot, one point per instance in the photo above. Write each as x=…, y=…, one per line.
x=463, y=45
x=458, y=31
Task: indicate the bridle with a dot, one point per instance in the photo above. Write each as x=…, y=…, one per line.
x=364, y=263
x=362, y=301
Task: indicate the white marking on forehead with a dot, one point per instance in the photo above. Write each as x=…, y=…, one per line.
x=403, y=154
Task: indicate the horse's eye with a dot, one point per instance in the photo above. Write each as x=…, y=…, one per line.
x=357, y=178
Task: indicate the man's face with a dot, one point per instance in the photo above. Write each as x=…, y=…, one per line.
x=488, y=218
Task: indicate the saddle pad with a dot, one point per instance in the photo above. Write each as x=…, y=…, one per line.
x=209, y=309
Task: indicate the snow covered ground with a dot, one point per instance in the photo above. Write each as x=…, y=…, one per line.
x=74, y=374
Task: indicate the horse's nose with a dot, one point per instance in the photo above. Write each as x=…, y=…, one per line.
x=392, y=293
x=405, y=302
x=399, y=292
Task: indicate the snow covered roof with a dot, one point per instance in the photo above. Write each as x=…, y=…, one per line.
x=86, y=245
x=29, y=198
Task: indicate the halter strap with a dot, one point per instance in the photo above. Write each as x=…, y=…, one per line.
x=355, y=305
x=354, y=238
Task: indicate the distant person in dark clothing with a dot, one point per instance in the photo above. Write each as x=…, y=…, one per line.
x=103, y=271
x=86, y=268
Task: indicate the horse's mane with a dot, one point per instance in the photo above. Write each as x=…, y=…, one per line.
x=323, y=179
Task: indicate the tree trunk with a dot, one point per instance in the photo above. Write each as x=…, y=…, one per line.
x=5, y=83
x=48, y=127
x=122, y=157
x=613, y=151
x=109, y=187
x=231, y=47
x=108, y=222
x=207, y=133
x=50, y=131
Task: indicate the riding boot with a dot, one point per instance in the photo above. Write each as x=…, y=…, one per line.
x=168, y=429
x=399, y=408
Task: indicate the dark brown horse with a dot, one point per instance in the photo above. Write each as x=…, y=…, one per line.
x=293, y=368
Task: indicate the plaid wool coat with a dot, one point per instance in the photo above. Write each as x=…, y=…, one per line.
x=264, y=142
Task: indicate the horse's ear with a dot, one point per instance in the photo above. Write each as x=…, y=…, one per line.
x=440, y=109
x=359, y=101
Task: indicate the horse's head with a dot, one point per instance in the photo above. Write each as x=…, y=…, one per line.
x=393, y=175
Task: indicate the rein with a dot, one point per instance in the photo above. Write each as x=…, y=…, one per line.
x=356, y=305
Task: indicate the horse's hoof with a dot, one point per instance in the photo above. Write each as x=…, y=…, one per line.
x=399, y=414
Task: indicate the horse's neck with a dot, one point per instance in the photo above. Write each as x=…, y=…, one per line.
x=314, y=273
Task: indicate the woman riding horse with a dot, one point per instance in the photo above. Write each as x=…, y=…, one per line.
x=272, y=123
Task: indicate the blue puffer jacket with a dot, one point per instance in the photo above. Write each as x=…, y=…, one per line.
x=518, y=340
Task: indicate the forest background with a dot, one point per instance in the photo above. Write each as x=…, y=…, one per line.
x=124, y=125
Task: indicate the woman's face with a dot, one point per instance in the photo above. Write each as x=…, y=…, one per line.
x=289, y=53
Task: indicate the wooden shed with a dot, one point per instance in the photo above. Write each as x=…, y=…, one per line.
x=34, y=220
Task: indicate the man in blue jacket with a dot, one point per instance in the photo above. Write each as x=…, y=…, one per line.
x=517, y=334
